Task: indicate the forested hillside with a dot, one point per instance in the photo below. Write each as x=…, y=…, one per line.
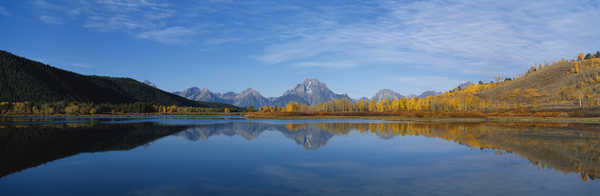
x=23, y=80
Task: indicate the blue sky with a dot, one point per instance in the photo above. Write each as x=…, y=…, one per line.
x=356, y=47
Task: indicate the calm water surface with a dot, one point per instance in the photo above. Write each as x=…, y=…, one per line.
x=228, y=155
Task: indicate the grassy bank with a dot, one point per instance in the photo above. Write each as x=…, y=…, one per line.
x=442, y=117
x=130, y=114
x=428, y=117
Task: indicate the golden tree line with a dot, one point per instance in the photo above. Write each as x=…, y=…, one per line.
x=464, y=100
x=86, y=108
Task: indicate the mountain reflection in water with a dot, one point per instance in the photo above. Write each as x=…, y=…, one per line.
x=569, y=148
x=563, y=147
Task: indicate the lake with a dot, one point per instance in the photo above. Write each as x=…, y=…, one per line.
x=230, y=155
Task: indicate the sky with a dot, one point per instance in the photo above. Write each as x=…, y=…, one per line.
x=355, y=47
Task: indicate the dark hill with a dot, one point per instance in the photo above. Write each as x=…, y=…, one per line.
x=22, y=79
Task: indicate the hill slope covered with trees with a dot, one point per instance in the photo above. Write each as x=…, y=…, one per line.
x=22, y=80
x=26, y=81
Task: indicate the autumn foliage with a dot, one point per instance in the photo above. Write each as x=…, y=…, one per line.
x=550, y=90
x=87, y=108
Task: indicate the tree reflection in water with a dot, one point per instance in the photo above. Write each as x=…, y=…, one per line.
x=569, y=148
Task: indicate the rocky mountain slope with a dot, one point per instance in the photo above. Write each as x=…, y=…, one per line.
x=429, y=93
x=310, y=91
x=386, y=94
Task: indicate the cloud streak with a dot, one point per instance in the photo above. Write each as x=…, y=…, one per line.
x=126, y=14
x=147, y=19
x=171, y=35
x=327, y=64
x=479, y=37
x=4, y=12
x=51, y=19
x=467, y=38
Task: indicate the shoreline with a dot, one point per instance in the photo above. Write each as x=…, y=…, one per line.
x=507, y=119
x=123, y=114
x=263, y=116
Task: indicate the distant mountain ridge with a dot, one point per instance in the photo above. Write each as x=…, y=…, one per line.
x=386, y=94
x=248, y=97
x=429, y=93
x=309, y=92
x=204, y=94
x=391, y=95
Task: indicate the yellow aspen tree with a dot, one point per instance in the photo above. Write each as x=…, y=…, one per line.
x=483, y=105
x=385, y=105
x=172, y=109
x=403, y=105
x=409, y=104
x=292, y=107
x=360, y=105
x=420, y=104
x=396, y=105
x=379, y=106
x=372, y=105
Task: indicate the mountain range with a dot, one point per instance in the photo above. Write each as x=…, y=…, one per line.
x=309, y=92
x=386, y=94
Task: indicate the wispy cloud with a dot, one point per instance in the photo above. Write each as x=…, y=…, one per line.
x=51, y=13
x=146, y=19
x=171, y=35
x=469, y=37
x=327, y=64
x=126, y=14
x=219, y=41
x=51, y=19
x=4, y=12
x=43, y=4
x=479, y=37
